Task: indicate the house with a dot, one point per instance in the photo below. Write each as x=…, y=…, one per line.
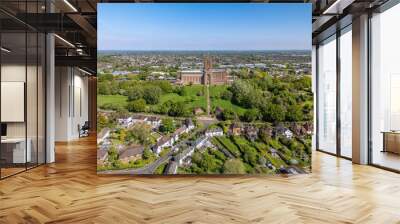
x=179, y=131
x=214, y=132
x=125, y=122
x=172, y=168
x=251, y=133
x=183, y=155
x=139, y=119
x=281, y=130
x=103, y=135
x=265, y=131
x=235, y=129
x=101, y=156
x=131, y=153
x=154, y=122
x=309, y=127
x=288, y=134
x=166, y=141
x=189, y=124
x=201, y=142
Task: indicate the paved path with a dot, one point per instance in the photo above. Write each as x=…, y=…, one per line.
x=149, y=169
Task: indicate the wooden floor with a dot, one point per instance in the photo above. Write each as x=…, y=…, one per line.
x=69, y=191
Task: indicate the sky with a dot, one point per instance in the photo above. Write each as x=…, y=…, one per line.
x=211, y=26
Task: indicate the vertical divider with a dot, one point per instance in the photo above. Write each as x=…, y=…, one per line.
x=338, y=76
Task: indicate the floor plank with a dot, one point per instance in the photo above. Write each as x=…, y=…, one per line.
x=69, y=191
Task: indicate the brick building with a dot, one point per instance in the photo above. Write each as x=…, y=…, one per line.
x=208, y=74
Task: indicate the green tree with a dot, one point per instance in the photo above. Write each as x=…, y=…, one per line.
x=252, y=115
x=147, y=154
x=102, y=121
x=135, y=93
x=152, y=94
x=181, y=91
x=250, y=155
x=165, y=107
x=141, y=133
x=167, y=125
x=122, y=135
x=274, y=113
x=137, y=105
x=226, y=95
x=105, y=77
x=209, y=163
x=165, y=86
x=103, y=88
x=177, y=109
x=294, y=113
x=112, y=158
x=228, y=114
x=234, y=166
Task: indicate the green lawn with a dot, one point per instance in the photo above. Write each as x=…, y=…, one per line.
x=225, y=104
x=192, y=98
x=215, y=91
x=114, y=99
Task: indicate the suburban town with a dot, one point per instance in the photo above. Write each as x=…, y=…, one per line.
x=247, y=112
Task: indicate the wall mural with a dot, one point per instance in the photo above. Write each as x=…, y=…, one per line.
x=204, y=89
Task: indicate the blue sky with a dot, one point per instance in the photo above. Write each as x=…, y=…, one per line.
x=235, y=26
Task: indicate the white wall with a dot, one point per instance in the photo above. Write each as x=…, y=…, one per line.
x=71, y=87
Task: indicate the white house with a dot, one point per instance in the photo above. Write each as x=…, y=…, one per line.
x=201, y=142
x=125, y=122
x=288, y=133
x=214, y=132
x=154, y=122
x=184, y=154
x=165, y=141
x=139, y=119
x=189, y=124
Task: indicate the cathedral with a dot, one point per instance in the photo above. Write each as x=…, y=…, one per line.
x=207, y=75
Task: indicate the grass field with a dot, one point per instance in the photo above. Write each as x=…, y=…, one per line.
x=225, y=104
x=194, y=97
x=215, y=91
x=114, y=99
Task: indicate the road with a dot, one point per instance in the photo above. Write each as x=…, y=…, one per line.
x=149, y=169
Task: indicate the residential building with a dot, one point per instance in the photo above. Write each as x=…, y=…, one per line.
x=172, y=168
x=166, y=141
x=139, y=119
x=101, y=156
x=217, y=131
x=235, y=129
x=131, y=153
x=125, y=122
x=189, y=124
x=201, y=142
x=154, y=122
x=251, y=132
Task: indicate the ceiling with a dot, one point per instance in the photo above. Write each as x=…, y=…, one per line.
x=75, y=22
